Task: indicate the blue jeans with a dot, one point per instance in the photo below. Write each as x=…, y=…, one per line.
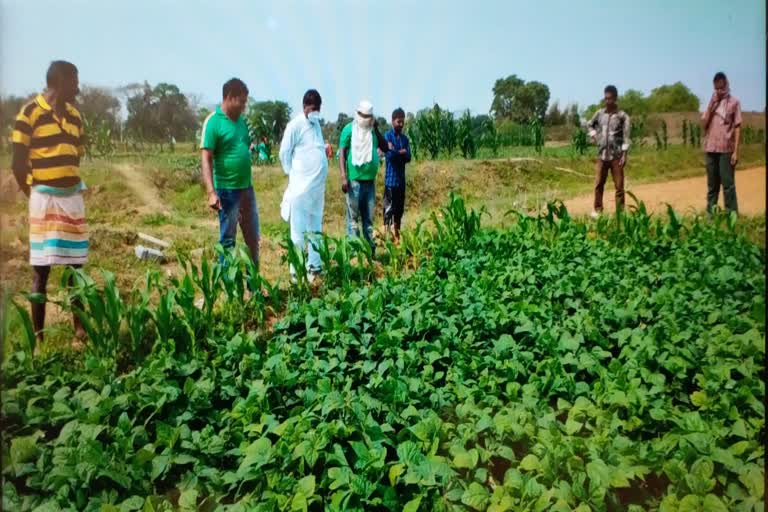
x=361, y=199
x=238, y=206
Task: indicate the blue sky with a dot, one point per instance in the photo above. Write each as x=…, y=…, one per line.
x=395, y=53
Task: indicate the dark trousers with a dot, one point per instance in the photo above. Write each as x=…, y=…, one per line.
x=394, y=206
x=601, y=175
x=720, y=172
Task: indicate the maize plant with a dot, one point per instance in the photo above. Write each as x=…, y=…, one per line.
x=448, y=138
x=98, y=139
x=659, y=142
x=579, y=140
x=412, y=132
x=537, y=132
x=490, y=137
x=466, y=139
x=664, y=135
x=685, y=132
x=429, y=126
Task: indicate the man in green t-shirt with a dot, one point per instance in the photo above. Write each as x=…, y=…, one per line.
x=359, y=144
x=226, y=162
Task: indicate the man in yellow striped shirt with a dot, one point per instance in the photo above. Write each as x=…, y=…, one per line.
x=47, y=146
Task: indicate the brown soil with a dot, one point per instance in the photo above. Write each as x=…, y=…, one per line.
x=684, y=195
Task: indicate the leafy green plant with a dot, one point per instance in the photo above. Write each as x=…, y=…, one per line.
x=466, y=138
x=579, y=141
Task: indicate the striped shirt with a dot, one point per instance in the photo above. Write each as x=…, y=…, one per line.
x=47, y=148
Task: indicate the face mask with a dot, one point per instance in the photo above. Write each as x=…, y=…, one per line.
x=314, y=117
x=363, y=122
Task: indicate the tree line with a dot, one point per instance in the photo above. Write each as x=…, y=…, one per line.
x=518, y=115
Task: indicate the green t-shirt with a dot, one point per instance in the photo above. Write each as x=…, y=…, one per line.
x=229, y=140
x=359, y=172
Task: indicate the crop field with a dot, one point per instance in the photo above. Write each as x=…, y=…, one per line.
x=547, y=364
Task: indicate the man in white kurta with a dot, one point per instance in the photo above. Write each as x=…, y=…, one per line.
x=302, y=155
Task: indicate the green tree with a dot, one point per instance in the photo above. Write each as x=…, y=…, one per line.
x=518, y=100
x=9, y=109
x=341, y=121
x=634, y=102
x=269, y=118
x=159, y=113
x=673, y=98
x=555, y=116
x=99, y=106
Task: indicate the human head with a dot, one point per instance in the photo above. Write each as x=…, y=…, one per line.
x=62, y=78
x=398, y=119
x=610, y=95
x=312, y=101
x=364, y=114
x=234, y=97
x=721, y=84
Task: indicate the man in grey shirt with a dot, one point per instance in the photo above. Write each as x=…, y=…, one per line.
x=609, y=128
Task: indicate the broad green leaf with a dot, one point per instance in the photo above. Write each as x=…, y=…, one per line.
x=131, y=504
x=475, y=496
x=257, y=454
x=690, y=503
x=413, y=505
x=530, y=463
x=572, y=426
x=699, y=399
x=466, y=459
x=712, y=503
x=24, y=448
x=188, y=500
x=753, y=481
x=599, y=473
x=306, y=486
x=395, y=471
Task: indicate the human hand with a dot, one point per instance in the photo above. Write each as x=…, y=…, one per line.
x=213, y=201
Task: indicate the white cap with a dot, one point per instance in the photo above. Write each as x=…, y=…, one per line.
x=365, y=107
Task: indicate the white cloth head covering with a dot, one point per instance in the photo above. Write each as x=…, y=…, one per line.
x=362, y=136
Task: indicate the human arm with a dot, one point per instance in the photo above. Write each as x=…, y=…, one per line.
x=391, y=154
x=592, y=125
x=206, y=161
x=286, y=149
x=345, y=141
x=381, y=142
x=736, y=133
x=21, y=138
x=706, y=117
x=627, y=131
x=406, y=151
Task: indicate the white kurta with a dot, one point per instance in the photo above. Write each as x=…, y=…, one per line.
x=302, y=155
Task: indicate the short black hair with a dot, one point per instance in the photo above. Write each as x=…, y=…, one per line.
x=612, y=89
x=234, y=87
x=60, y=71
x=720, y=76
x=398, y=113
x=312, y=97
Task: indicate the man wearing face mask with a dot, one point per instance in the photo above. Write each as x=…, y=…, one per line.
x=359, y=144
x=304, y=160
x=722, y=126
x=48, y=142
x=226, y=169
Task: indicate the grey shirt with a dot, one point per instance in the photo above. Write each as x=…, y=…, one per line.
x=611, y=131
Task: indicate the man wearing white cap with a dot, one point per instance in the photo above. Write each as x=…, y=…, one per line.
x=359, y=144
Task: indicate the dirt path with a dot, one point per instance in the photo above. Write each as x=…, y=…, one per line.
x=144, y=189
x=684, y=195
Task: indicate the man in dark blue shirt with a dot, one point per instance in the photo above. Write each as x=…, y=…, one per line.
x=398, y=154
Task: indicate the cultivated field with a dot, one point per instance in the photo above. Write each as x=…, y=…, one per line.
x=505, y=356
